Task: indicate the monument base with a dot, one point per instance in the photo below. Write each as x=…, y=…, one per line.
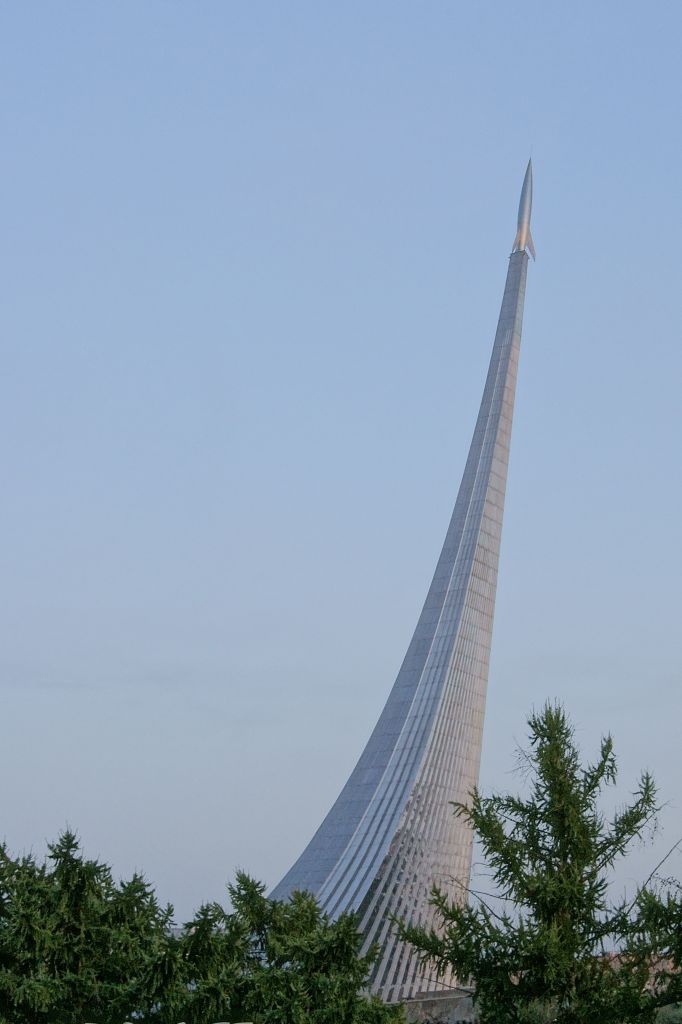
x=453, y=1007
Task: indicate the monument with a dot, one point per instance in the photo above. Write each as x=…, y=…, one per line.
x=392, y=834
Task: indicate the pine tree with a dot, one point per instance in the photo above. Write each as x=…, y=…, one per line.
x=76, y=946
x=550, y=946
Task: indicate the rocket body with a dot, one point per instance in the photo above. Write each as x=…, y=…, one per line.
x=524, y=239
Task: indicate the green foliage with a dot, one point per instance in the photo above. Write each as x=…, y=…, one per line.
x=73, y=944
x=75, y=947
x=301, y=968
x=549, y=955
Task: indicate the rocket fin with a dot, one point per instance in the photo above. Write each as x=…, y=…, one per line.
x=519, y=242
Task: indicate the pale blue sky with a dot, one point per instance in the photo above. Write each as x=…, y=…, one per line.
x=252, y=257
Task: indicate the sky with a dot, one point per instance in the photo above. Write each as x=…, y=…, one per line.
x=252, y=256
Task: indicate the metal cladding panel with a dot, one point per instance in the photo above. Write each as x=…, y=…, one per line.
x=392, y=834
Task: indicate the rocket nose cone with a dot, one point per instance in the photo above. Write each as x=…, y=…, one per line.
x=528, y=177
x=527, y=188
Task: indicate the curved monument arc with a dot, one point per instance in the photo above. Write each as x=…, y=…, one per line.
x=391, y=833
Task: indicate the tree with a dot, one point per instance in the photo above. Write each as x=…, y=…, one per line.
x=75, y=946
x=302, y=968
x=269, y=962
x=558, y=949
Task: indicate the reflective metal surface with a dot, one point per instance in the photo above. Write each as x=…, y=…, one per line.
x=524, y=239
x=391, y=833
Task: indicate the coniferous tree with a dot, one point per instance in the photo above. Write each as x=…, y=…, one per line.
x=75, y=946
x=549, y=945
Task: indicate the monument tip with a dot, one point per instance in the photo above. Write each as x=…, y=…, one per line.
x=524, y=239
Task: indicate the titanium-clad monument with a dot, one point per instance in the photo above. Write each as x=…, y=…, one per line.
x=392, y=835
